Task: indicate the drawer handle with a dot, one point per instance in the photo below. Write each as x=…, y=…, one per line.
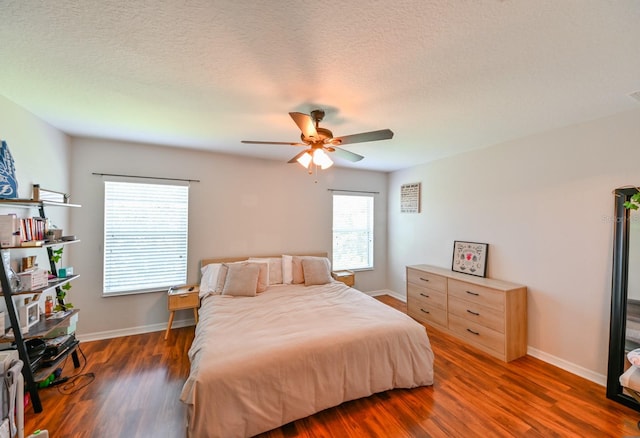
x=424, y=295
x=424, y=279
x=472, y=293
x=473, y=313
x=471, y=331
x=425, y=311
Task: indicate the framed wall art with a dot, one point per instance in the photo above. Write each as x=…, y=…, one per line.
x=8, y=180
x=470, y=258
x=410, y=198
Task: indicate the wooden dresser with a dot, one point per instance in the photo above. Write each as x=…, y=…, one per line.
x=488, y=314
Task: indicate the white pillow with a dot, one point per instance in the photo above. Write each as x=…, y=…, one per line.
x=263, y=276
x=209, y=279
x=242, y=279
x=275, y=268
x=316, y=271
x=298, y=271
x=634, y=357
x=287, y=269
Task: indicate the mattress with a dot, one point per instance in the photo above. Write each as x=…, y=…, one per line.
x=260, y=362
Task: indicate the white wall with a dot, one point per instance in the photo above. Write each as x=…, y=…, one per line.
x=39, y=150
x=241, y=206
x=544, y=204
x=41, y=157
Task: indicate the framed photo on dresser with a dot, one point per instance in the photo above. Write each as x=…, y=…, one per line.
x=470, y=258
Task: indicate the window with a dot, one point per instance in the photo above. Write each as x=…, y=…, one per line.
x=352, y=232
x=145, y=236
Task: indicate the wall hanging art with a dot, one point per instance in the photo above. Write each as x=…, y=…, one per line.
x=8, y=181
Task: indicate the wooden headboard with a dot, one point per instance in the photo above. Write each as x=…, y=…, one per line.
x=205, y=262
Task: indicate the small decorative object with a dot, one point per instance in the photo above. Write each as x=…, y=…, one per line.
x=40, y=194
x=470, y=258
x=410, y=198
x=8, y=181
x=14, y=280
x=65, y=272
x=54, y=234
x=28, y=262
x=29, y=315
x=48, y=306
x=34, y=279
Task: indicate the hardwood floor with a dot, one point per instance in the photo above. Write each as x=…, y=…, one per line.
x=138, y=380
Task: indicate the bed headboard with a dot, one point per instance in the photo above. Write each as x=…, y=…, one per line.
x=205, y=262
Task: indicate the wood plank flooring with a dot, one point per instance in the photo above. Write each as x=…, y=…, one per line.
x=138, y=379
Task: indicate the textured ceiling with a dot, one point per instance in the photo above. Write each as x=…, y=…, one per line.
x=445, y=76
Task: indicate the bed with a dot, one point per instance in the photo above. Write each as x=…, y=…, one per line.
x=291, y=350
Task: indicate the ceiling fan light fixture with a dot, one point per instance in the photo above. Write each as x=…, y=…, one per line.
x=327, y=164
x=319, y=141
x=320, y=158
x=305, y=159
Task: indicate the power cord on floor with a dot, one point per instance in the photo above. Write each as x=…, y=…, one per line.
x=72, y=384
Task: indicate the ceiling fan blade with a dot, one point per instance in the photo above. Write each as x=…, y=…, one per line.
x=305, y=123
x=272, y=142
x=347, y=155
x=383, y=134
x=294, y=159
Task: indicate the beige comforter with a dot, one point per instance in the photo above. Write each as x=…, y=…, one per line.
x=260, y=362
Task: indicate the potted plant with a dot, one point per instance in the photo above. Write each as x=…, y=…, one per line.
x=61, y=291
x=634, y=202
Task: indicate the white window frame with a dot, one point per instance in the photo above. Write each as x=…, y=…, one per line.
x=364, y=226
x=145, y=235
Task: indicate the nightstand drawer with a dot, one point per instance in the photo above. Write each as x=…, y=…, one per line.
x=345, y=276
x=183, y=301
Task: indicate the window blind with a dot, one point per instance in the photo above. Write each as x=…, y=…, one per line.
x=145, y=236
x=352, y=232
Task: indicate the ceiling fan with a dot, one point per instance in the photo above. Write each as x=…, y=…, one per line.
x=321, y=140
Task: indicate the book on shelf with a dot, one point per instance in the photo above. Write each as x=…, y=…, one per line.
x=32, y=243
x=9, y=230
x=33, y=228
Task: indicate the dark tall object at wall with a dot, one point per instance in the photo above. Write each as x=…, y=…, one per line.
x=618, y=344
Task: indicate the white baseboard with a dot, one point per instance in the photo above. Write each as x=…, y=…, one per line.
x=600, y=379
x=109, y=334
x=375, y=293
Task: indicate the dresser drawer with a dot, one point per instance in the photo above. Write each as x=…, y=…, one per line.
x=477, y=294
x=482, y=315
x=426, y=279
x=477, y=334
x=183, y=301
x=428, y=315
x=426, y=297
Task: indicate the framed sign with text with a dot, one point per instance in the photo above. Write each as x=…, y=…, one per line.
x=410, y=198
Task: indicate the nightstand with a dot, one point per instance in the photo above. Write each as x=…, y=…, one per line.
x=183, y=297
x=345, y=276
